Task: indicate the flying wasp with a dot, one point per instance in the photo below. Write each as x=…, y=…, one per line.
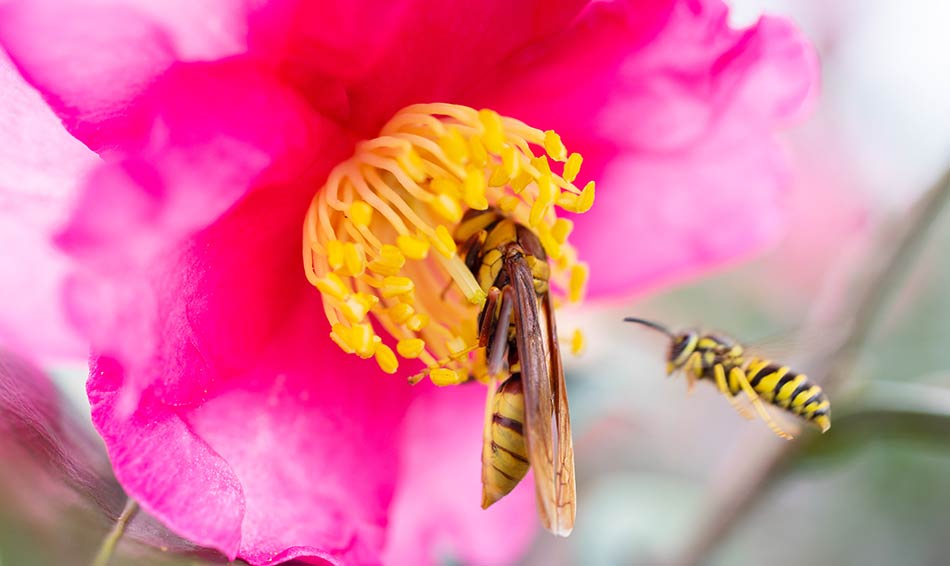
x=725, y=362
x=527, y=422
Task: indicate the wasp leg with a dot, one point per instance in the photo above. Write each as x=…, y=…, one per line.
x=737, y=375
x=693, y=369
x=724, y=389
x=499, y=344
x=486, y=316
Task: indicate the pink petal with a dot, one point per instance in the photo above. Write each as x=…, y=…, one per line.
x=677, y=131
x=436, y=515
x=164, y=466
x=386, y=55
x=252, y=152
x=92, y=61
x=41, y=166
x=294, y=457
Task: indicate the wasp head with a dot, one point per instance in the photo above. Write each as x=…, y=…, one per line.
x=682, y=346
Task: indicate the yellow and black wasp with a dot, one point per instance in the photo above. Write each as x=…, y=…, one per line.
x=527, y=421
x=725, y=362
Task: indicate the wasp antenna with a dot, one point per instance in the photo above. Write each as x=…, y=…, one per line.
x=649, y=323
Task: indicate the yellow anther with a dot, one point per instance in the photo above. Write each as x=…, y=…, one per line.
x=567, y=201
x=333, y=286
x=508, y=203
x=360, y=213
x=541, y=164
x=360, y=338
x=546, y=189
x=386, y=358
x=444, y=376
x=509, y=160
x=445, y=186
x=473, y=190
x=578, y=282
x=413, y=164
x=335, y=254
x=554, y=146
x=395, y=286
x=521, y=180
x=443, y=242
x=411, y=348
x=389, y=261
x=417, y=321
x=562, y=229
x=357, y=306
x=551, y=246
x=499, y=177
x=494, y=136
x=454, y=146
x=448, y=207
x=354, y=259
x=572, y=167
x=456, y=346
x=577, y=342
x=478, y=156
x=586, y=198
x=340, y=335
x=538, y=210
x=401, y=312
x=412, y=247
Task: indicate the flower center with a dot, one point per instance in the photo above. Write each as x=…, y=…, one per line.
x=379, y=236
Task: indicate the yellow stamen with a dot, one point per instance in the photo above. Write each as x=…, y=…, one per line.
x=562, y=229
x=401, y=312
x=572, y=167
x=386, y=358
x=369, y=230
x=578, y=283
x=394, y=286
x=333, y=286
x=360, y=213
x=554, y=147
x=586, y=198
x=577, y=342
x=412, y=247
x=411, y=348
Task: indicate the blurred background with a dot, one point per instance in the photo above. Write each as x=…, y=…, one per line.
x=664, y=477
x=661, y=474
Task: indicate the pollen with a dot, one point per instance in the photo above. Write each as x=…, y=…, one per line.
x=380, y=242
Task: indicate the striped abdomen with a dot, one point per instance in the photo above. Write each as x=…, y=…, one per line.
x=504, y=454
x=791, y=391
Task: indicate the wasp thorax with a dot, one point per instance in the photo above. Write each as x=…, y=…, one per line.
x=380, y=237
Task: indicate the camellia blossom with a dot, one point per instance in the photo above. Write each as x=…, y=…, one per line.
x=229, y=404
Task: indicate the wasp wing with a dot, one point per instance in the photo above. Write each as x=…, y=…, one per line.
x=565, y=489
x=548, y=429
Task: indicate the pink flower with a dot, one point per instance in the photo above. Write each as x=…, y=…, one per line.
x=226, y=410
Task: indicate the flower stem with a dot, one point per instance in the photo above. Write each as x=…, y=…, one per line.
x=118, y=529
x=886, y=275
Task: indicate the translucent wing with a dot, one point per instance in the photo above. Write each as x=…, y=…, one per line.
x=565, y=489
x=548, y=430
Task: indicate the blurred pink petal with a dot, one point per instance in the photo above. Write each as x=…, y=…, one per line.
x=94, y=62
x=440, y=468
x=226, y=410
x=41, y=166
